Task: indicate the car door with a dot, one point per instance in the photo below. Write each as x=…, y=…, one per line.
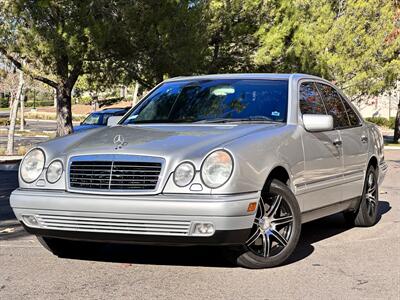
x=323, y=165
x=354, y=140
x=355, y=152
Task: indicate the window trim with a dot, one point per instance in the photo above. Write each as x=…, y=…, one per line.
x=156, y=87
x=341, y=100
x=360, y=120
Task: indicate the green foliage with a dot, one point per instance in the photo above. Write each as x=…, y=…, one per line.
x=231, y=28
x=354, y=43
x=3, y=102
x=382, y=121
x=85, y=99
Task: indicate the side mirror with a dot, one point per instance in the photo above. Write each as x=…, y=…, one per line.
x=317, y=122
x=113, y=120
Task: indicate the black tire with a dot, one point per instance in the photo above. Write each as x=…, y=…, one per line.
x=366, y=214
x=67, y=248
x=253, y=256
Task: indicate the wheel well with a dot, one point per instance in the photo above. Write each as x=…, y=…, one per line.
x=279, y=173
x=373, y=162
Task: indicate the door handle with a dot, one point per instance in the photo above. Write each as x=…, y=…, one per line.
x=364, y=139
x=337, y=142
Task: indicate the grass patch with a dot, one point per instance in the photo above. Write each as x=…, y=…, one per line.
x=20, y=150
x=50, y=116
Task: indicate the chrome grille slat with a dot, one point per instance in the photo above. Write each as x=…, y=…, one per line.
x=149, y=221
x=118, y=184
x=120, y=179
x=113, y=174
x=136, y=171
x=114, y=225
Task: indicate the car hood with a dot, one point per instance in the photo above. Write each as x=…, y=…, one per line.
x=153, y=140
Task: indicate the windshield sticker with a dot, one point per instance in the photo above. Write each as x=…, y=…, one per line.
x=275, y=114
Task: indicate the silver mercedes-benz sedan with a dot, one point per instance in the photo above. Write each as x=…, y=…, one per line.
x=239, y=160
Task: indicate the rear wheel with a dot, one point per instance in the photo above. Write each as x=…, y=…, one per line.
x=275, y=231
x=367, y=213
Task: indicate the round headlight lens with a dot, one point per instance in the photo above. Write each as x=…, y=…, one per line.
x=184, y=174
x=216, y=169
x=54, y=171
x=32, y=165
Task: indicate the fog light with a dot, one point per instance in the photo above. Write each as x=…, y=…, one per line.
x=203, y=229
x=30, y=220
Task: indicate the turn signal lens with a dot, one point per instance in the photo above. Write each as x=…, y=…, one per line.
x=252, y=207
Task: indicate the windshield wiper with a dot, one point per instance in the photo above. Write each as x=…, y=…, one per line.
x=232, y=120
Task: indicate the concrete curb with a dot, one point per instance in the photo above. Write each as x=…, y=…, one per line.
x=392, y=148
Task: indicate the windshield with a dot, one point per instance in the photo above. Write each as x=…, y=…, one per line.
x=96, y=119
x=222, y=100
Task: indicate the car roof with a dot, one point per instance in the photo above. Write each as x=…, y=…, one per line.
x=271, y=76
x=110, y=110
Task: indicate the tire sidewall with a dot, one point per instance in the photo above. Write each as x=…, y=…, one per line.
x=369, y=220
x=249, y=259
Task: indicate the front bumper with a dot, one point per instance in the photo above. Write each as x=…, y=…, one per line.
x=160, y=219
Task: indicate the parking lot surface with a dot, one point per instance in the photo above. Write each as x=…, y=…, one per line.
x=332, y=261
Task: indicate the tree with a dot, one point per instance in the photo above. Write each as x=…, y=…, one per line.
x=161, y=39
x=59, y=40
x=13, y=113
x=350, y=42
x=231, y=29
x=354, y=43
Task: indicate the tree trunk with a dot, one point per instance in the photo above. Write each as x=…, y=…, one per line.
x=396, y=136
x=64, y=112
x=135, y=94
x=55, y=98
x=13, y=115
x=22, y=119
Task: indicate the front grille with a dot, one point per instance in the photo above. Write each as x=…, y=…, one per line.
x=113, y=225
x=114, y=175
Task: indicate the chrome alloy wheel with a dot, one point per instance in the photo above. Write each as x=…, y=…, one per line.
x=371, y=195
x=272, y=228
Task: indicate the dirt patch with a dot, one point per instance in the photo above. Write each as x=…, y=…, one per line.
x=82, y=109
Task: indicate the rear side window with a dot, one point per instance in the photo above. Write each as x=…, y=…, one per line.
x=310, y=100
x=353, y=118
x=334, y=105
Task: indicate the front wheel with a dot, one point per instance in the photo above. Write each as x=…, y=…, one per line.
x=275, y=232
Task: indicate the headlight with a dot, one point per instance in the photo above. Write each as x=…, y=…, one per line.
x=216, y=169
x=32, y=165
x=184, y=174
x=54, y=171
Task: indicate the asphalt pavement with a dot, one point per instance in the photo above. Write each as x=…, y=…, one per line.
x=332, y=261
